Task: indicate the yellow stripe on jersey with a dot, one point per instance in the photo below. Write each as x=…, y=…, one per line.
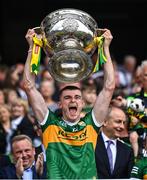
x=55, y=134
x=145, y=176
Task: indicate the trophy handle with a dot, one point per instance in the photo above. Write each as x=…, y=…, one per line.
x=100, y=32
x=36, y=52
x=37, y=30
x=47, y=49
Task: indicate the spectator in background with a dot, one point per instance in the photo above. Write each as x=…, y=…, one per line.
x=47, y=91
x=46, y=62
x=117, y=81
x=5, y=129
x=14, y=80
x=126, y=72
x=45, y=75
x=114, y=159
x=2, y=97
x=89, y=94
x=3, y=74
x=10, y=96
x=24, y=165
x=138, y=138
x=137, y=81
x=142, y=94
x=21, y=121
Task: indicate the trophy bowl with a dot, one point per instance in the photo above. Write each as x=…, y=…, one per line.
x=68, y=36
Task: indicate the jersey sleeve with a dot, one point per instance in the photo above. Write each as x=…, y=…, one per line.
x=91, y=120
x=49, y=119
x=137, y=170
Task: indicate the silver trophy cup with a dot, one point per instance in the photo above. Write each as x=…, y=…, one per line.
x=68, y=36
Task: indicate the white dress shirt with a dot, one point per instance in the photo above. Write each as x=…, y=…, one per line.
x=27, y=174
x=112, y=146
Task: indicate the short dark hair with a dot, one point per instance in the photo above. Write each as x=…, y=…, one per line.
x=68, y=88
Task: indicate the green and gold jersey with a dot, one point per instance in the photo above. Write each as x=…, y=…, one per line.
x=141, y=130
x=139, y=170
x=70, y=149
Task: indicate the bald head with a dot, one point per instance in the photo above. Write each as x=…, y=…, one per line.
x=114, y=123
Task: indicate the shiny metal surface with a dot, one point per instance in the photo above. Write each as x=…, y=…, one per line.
x=68, y=36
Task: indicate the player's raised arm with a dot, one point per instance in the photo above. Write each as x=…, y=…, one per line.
x=103, y=100
x=36, y=100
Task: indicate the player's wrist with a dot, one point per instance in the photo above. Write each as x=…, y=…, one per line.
x=30, y=50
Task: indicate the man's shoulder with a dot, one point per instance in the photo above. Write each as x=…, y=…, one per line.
x=10, y=166
x=139, y=94
x=51, y=118
x=8, y=172
x=124, y=145
x=125, y=150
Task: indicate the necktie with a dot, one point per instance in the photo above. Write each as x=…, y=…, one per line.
x=110, y=157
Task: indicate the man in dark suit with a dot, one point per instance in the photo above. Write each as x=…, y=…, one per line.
x=24, y=165
x=4, y=160
x=114, y=159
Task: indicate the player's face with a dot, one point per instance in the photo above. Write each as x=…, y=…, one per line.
x=71, y=103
